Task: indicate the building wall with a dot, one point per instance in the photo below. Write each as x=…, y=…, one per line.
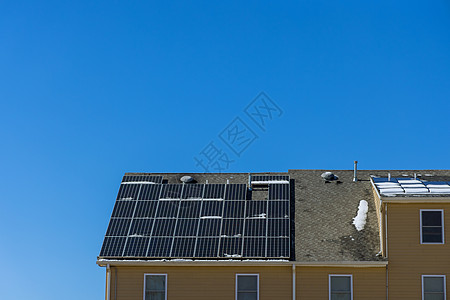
x=368, y=283
x=202, y=282
x=408, y=259
x=219, y=282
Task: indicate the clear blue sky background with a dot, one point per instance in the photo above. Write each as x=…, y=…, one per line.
x=90, y=90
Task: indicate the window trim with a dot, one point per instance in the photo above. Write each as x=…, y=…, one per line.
x=155, y=274
x=442, y=222
x=445, y=285
x=340, y=275
x=245, y=274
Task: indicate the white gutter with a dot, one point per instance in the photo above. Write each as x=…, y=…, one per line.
x=380, y=225
x=293, y=282
x=350, y=264
x=108, y=282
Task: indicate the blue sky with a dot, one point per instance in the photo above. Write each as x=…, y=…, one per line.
x=92, y=89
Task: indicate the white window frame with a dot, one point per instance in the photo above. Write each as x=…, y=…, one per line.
x=442, y=222
x=340, y=275
x=445, y=285
x=257, y=284
x=153, y=274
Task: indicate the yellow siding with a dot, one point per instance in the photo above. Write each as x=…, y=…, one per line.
x=203, y=282
x=408, y=259
x=368, y=283
x=219, y=282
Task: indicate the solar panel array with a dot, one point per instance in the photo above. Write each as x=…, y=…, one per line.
x=269, y=178
x=197, y=221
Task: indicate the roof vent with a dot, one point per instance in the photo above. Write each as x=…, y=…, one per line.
x=328, y=176
x=187, y=179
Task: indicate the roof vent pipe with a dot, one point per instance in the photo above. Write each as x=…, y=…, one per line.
x=355, y=177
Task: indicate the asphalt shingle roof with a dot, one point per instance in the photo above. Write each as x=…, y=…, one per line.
x=323, y=212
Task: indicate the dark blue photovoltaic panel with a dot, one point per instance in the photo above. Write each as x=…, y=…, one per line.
x=278, y=247
x=279, y=191
x=209, y=227
x=256, y=209
x=189, y=209
x=269, y=178
x=278, y=227
x=193, y=191
x=186, y=227
x=171, y=191
x=254, y=247
x=212, y=208
x=207, y=247
x=141, y=227
x=183, y=247
x=142, y=178
x=214, y=191
x=128, y=191
x=118, y=227
x=136, y=246
x=230, y=247
x=124, y=209
x=159, y=246
x=163, y=227
x=198, y=221
x=145, y=209
x=168, y=209
x=255, y=227
x=236, y=192
x=112, y=246
x=232, y=227
x=278, y=209
x=150, y=192
x=234, y=209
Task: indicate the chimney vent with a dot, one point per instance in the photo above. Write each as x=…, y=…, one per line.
x=355, y=177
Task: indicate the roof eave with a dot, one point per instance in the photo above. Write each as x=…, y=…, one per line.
x=223, y=263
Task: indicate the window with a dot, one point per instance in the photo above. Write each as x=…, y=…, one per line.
x=433, y=287
x=155, y=286
x=432, y=226
x=247, y=286
x=341, y=287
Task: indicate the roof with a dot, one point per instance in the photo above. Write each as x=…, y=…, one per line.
x=322, y=214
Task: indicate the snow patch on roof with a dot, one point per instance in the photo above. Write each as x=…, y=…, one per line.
x=360, y=220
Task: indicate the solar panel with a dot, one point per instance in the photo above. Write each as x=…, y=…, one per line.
x=278, y=247
x=234, y=209
x=145, y=209
x=279, y=191
x=150, y=192
x=183, y=247
x=214, y=191
x=193, y=191
x=206, y=247
x=118, y=227
x=198, y=221
x=189, y=209
x=236, y=192
x=128, y=191
x=124, y=209
x=231, y=247
x=171, y=191
x=159, y=247
x=136, y=246
x=142, y=178
x=112, y=246
x=186, y=227
x=269, y=178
